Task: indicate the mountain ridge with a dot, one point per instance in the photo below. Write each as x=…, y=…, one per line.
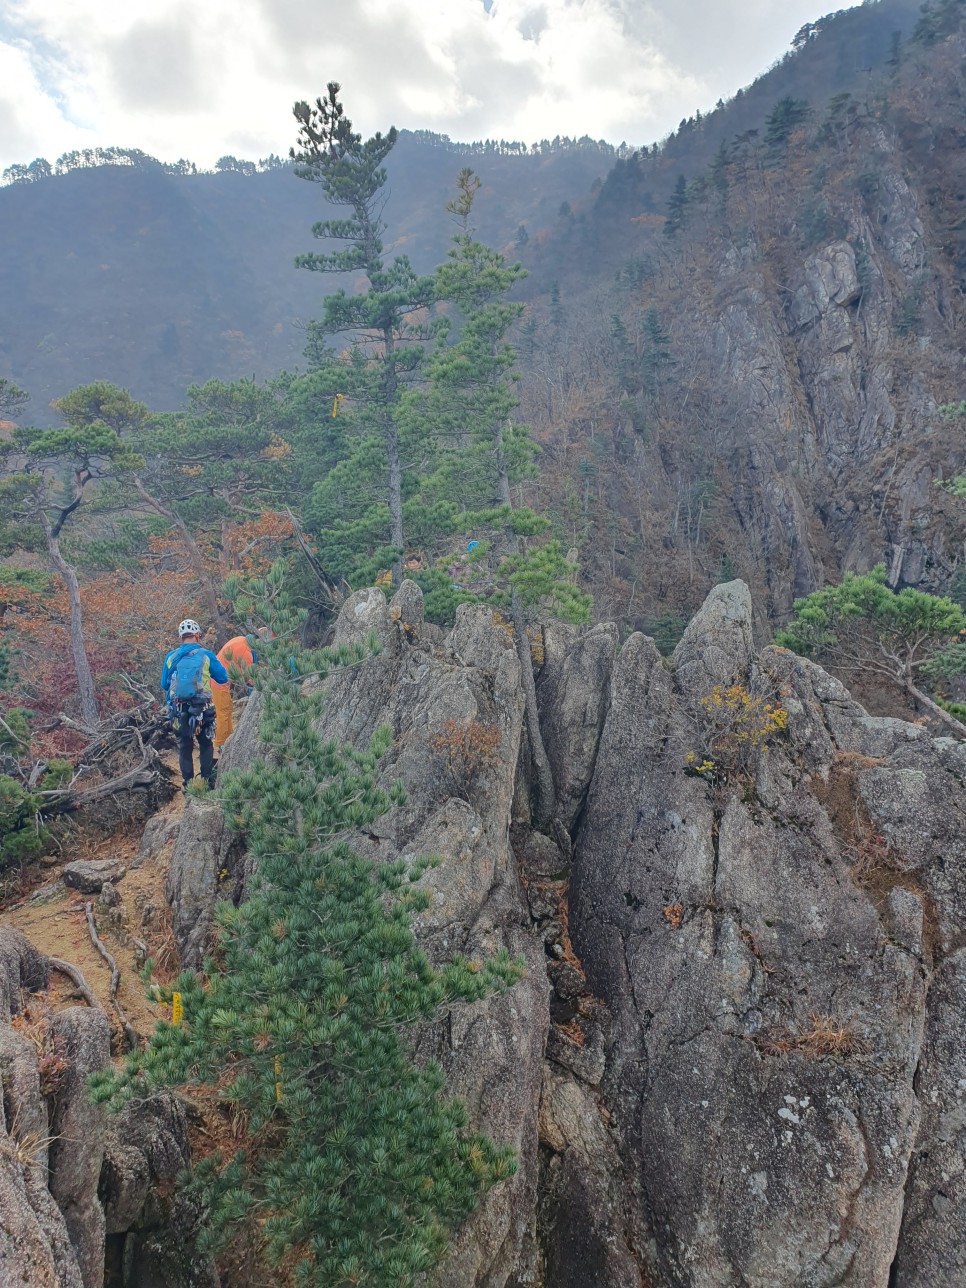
x=153, y=277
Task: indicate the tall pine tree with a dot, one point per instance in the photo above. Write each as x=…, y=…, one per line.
x=364, y=499
x=469, y=405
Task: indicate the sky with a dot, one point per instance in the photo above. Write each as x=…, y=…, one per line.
x=179, y=78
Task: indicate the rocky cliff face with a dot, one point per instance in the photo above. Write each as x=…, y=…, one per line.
x=778, y=956
x=74, y=1182
x=761, y=391
x=734, y=1057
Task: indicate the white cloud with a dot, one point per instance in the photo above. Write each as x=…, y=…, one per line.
x=177, y=78
x=31, y=122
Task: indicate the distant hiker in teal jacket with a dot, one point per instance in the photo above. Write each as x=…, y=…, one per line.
x=186, y=678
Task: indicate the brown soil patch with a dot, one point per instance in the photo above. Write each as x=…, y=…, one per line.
x=52, y=917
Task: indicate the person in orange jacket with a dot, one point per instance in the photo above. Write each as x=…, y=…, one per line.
x=240, y=652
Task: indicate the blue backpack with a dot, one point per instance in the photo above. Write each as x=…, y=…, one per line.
x=188, y=676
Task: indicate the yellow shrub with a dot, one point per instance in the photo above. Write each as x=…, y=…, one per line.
x=735, y=722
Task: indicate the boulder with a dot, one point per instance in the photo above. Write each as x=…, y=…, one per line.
x=206, y=864
x=147, y=1142
x=34, y=1249
x=77, y=1136
x=88, y=875
x=716, y=646
x=158, y=832
x=22, y=969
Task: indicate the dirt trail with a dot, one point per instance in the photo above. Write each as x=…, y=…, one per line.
x=52, y=917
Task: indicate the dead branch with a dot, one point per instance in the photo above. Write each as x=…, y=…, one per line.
x=62, y=800
x=138, y=689
x=99, y=945
x=73, y=724
x=129, y=1031
x=336, y=593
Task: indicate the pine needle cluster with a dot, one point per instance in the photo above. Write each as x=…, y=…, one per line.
x=356, y=1165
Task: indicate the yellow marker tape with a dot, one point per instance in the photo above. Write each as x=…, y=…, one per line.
x=278, y=1074
x=177, y=1010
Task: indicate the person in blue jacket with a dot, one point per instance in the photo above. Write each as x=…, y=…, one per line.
x=186, y=678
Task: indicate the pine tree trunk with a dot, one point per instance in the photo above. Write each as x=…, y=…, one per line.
x=82, y=666
x=545, y=797
x=395, y=497
x=194, y=553
x=393, y=456
x=934, y=709
x=502, y=478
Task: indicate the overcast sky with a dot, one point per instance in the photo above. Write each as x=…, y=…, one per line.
x=179, y=78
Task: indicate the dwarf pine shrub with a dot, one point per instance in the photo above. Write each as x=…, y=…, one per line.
x=355, y=1165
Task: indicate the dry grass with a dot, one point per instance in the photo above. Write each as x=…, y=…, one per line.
x=468, y=749
x=25, y=1147
x=872, y=858
x=33, y=1023
x=826, y=1036
x=573, y=1031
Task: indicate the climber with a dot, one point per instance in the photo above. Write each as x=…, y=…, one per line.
x=239, y=651
x=186, y=678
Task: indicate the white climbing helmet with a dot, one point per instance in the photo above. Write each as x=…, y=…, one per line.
x=188, y=627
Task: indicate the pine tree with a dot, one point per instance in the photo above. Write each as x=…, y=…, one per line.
x=787, y=114
x=12, y=398
x=861, y=627
x=201, y=465
x=43, y=495
x=384, y=321
x=655, y=351
x=676, y=207
x=938, y=21
x=471, y=400
x=356, y=1165
x=719, y=174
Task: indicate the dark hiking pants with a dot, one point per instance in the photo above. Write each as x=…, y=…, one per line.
x=195, y=720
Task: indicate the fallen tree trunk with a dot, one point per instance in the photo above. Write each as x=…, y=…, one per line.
x=934, y=709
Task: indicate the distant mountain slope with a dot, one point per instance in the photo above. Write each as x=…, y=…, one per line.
x=155, y=280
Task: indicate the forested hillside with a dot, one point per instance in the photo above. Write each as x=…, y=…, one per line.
x=757, y=388
x=154, y=276
x=733, y=351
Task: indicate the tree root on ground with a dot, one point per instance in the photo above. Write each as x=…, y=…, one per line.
x=130, y=1032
